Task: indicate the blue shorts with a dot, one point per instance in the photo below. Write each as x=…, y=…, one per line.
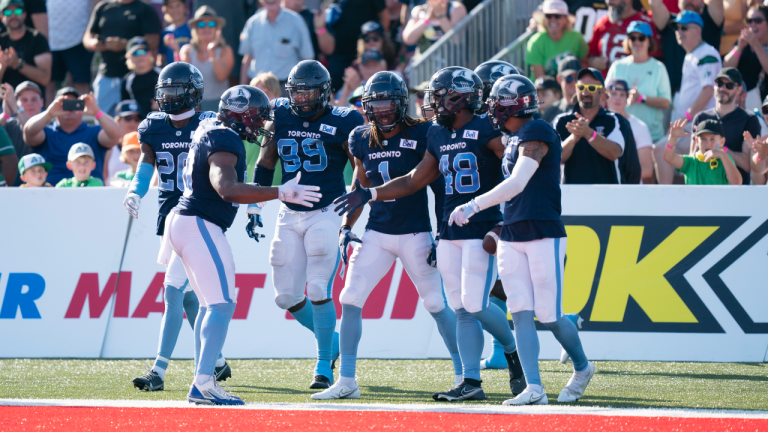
x=75, y=60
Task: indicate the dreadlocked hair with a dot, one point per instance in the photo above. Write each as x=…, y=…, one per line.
x=407, y=122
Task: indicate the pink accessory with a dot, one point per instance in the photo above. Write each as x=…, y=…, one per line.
x=688, y=116
x=98, y=116
x=6, y=116
x=758, y=157
x=669, y=146
x=321, y=31
x=594, y=135
x=725, y=148
x=640, y=98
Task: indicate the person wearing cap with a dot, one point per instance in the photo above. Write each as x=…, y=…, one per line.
x=430, y=21
x=34, y=170
x=373, y=37
x=25, y=54
x=370, y=62
x=710, y=164
x=555, y=40
x=273, y=40
x=618, y=94
x=749, y=55
x=18, y=106
x=735, y=121
x=127, y=116
x=323, y=41
x=355, y=101
x=129, y=155
x=54, y=131
x=592, y=137
x=176, y=34
x=67, y=22
x=605, y=46
x=112, y=25
x=80, y=160
x=547, y=91
x=139, y=83
x=567, y=70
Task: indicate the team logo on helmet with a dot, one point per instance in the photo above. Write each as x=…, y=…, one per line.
x=499, y=71
x=238, y=100
x=462, y=81
x=508, y=93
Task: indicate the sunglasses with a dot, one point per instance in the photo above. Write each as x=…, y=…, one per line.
x=756, y=20
x=374, y=38
x=681, y=27
x=589, y=87
x=358, y=103
x=765, y=110
x=203, y=24
x=570, y=79
x=16, y=12
x=553, y=16
x=139, y=53
x=132, y=118
x=728, y=85
x=640, y=38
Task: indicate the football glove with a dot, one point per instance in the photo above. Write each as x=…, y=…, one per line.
x=131, y=203
x=354, y=200
x=346, y=236
x=432, y=257
x=254, y=221
x=295, y=193
x=461, y=214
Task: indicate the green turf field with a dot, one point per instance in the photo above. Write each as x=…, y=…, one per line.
x=616, y=384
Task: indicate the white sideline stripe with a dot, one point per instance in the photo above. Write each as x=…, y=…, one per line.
x=471, y=409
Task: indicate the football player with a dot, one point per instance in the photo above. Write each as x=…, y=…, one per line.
x=310, y=138
x=391, y=145
x=467, y=151
x=165, y=137
x=532, y=242
x=214, y=185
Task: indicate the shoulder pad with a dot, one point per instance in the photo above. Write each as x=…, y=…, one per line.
x=207, y=114
x=341, y=111
x=157, y=115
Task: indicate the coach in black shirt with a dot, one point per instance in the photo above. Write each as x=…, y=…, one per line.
x=592, y=138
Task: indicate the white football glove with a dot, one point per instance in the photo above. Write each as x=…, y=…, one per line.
x=131, y=203
x=295, y=193
x=461, y=214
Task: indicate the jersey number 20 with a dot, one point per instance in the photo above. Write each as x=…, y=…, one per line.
x=289, y=152
x=166, y=168
x=467, y=177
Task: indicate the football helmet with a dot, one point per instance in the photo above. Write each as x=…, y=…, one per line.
x=450, y=90
x=179, y=88
x=511, y=96
x=309, y=88
x=245, y=109
x=385, y=100
x=489, y=72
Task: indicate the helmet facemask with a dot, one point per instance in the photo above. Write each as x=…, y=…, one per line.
x=249, y=124
x=384, y=113
x=307, y=101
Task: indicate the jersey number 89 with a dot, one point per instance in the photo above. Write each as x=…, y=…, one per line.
x=467, y=177
x=288, y=149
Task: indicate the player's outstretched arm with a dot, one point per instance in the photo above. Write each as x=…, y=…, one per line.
x=531, y=154
x=223, y=178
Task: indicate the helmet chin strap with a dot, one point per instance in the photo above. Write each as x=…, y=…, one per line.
x=182, y=116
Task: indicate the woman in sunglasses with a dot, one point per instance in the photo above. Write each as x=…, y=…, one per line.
x=210, y=54
x=555, y=40
x=649, y=89
x=749, y=56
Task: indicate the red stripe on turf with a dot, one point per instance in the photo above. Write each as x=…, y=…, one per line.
x=14, y=418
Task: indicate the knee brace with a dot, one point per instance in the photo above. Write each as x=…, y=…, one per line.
x=433, y=302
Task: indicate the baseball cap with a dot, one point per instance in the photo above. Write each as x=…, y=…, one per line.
x=555, y=7
x=31, y=160
x=591, y=71
x=8, y=3
x=689, y=17
x=711, y=126
x=358, y=93
x=617, y=85
x=126, y=107
x=568, y=65
x=66, y=91
x=546, y=83
x=80, y=149
x=27, y=85
x=131, y=141
x=641, y=27
x=731, y=74
x=371, y=55
x=136, y=43
x=371, y=27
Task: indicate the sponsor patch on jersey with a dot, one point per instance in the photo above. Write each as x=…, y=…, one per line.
x=409, y=144
x=471, y=134
x=327, y=129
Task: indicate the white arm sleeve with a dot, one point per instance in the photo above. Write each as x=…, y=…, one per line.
x=510, y=187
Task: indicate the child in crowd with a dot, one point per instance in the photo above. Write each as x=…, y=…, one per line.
x=130, y=155
x=81, y=162
x=34, y=170
x=547, y=92
x=709, y=166
x=139, y=83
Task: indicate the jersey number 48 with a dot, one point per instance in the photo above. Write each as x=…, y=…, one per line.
x=467, y=177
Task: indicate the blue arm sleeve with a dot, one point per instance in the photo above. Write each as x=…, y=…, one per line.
x=140, y=183
x=263, y=176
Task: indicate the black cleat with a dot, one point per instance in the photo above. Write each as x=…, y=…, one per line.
x=149, y=382
x=461, y=393
x=222, y=373
x=516, y=376
x=320, y=382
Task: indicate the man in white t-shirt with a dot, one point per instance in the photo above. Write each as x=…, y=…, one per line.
x=618, y=92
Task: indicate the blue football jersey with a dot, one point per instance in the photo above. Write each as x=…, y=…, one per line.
x=200, y=198
x=535, y=212
x=171, y=148
x=469, y=169
x=399, y=156
x=316, y=149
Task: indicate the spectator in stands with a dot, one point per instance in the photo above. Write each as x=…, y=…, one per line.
x=373, y=37
x=209, y=53
x=34, y=171
x=53, y=139
x=430, y=21
x=67, y=25
x=592, y=137
x=647, y=77
x=547, y=92
x=735, y=121
x=139, y=83
x=18, y=106
x=759, y=159
x=702, y=63
x=81, y=161
x=567, y=70
x=268, y=83
x=235, y=14
x=734, y=12
x=8, y=160
x=710, y=165
x=606, y=47
x=749, y=55
x=355, y=101
x=25, y=54
x=37, y=16
x=371, y=61
x=418, y=100
x=274, y=39
x=176, y=34
x=128, y=117
x=555, y=40
x=112, y=24
x=322, y=40
x=129, y=154
x=618, y=94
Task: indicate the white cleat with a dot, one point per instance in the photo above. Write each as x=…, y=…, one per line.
x=457, y=379
x=564, y=357
x=338, y=391
x=528, y=397
x=577, y=384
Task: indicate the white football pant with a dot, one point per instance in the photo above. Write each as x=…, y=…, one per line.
x=175, y=275
x=468, y=272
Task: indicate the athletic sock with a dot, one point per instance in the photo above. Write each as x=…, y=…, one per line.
x=159, y=369
x=349, y=338
x=170, y=325
x=305, y=316
x=213, y=334
x=198, y=334
x=536, y=387
x=349, y=382
x=494, y=321
x=202, y=378
x=446, y=325
x=565, y=332
x=324, y=317
x=221, y=361
x=528, y=343
x=469, y=337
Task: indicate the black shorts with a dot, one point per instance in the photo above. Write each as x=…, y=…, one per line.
x=75, y=60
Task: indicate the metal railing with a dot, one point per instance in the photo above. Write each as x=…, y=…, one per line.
x=488, y=29
x=514, y=53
